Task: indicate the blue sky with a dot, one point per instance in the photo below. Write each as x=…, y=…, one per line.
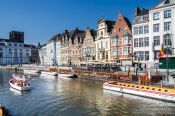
x=41, y=19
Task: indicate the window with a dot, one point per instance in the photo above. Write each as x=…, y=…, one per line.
x=136, y=54
x=21, y=54
x=119, y=51
x=146, y=29
x=125, y=50
x=125, y=40
x=106, y=55
x=141, y=56
x=146, y=55
x=114, y=41
x=129, y=50
x=167, y=14
x=10, y=44
x=156, y=27
x=15, y=44
x=101, y=33
x=1, y=49
x=156, y=55
x=106, y=45
x=167, y=40
x=1, y=54
x=156, y=40
x=141, y=30
x=120, y=29
x=136, y=42
x=27, y=54
x=156, y=16
x=146, y=41
x=167, y=26
x=135, y=30
x=114, y=51
x=98, y=55
x=141, y=42
x=167, y=2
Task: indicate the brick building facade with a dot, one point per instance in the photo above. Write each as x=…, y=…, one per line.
x=121, y=42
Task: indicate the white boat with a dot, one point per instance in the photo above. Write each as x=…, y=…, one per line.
x=49, y=73
x=155, y=92
x=32, y=71
x=19, y=82
x=63, y=75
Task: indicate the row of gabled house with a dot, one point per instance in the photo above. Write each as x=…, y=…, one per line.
x=116, y=42
x=110, y=43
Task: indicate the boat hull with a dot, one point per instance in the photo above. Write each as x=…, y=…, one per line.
x=28, y=71
x=69, y=76
x=49, y=73
x=140, y=92
x=24, y=88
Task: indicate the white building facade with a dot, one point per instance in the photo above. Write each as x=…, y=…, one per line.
x=141, y=38
x=13, y=50
x=58, y=50
x=162, y=28
x=50, y=53
x=102, y=41
x=153, y=29
x=14, y=53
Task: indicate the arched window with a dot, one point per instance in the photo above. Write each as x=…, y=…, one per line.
x=101, y=33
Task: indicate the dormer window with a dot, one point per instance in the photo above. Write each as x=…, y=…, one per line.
x=120, y=29
x=167, y=2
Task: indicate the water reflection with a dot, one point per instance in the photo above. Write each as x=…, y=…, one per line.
x=15, y=92
x=53, y=96
x=139, y=105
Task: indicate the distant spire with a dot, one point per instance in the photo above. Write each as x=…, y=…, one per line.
x=101, y=18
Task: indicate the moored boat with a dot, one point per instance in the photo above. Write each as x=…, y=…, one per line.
x=32, y=71
x=51, y=71
x=64, y=75
x=19, y=82
x=156, y=92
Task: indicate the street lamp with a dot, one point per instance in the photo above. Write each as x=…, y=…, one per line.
x=167, y=41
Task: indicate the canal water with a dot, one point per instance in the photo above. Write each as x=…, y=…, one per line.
x=54, y=96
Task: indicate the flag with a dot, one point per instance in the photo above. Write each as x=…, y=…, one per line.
x=161, y=52
x=129, y=72
x=147, y=75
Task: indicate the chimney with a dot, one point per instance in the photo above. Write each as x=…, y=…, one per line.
x=137, y=10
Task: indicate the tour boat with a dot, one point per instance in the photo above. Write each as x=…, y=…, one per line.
x=51, y=71
x=155, y=92
x=32, y=71
x=64, y=75
x=19, y=82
